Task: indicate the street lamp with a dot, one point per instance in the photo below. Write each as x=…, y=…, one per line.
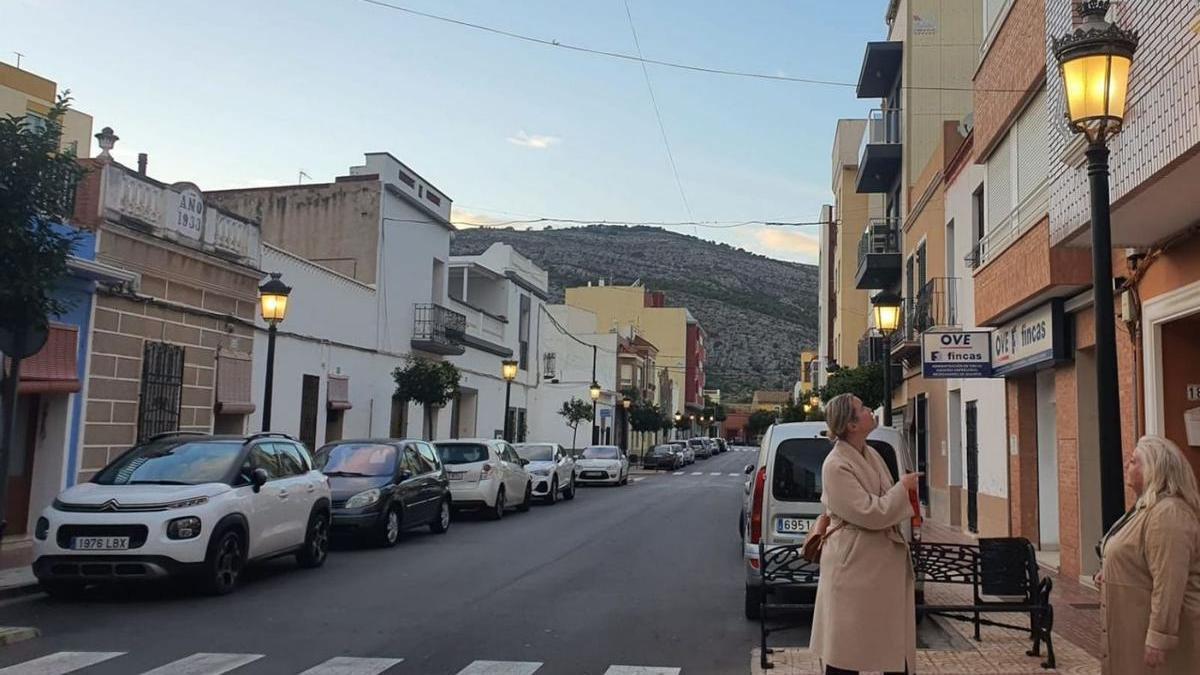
x=508, y=370
x=594, y=392
x=1094, y=62
x=807, y=408
x=814, y=401
x=273, y=303
x=625, y=403
x=887, y=320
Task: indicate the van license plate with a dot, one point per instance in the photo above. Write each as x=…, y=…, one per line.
x=100, y=543
x=793, y=525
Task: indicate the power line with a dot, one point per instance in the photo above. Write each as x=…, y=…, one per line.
x=666, y=64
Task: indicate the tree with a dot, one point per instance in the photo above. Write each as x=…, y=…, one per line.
x=644, y=417
x=792, y=413
x=759, y=422
x=575, y=411
x=865, y=382
x=430, y=383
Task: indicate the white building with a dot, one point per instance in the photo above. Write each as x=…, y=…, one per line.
x=570, y=339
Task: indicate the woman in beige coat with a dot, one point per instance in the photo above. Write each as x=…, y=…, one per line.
x=864, y=617
x=1150, y=568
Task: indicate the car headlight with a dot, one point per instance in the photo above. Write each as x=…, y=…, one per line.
x=540, y=472
x=41, y=529
x=364, y=498
x=187, y=527
x=186, y=503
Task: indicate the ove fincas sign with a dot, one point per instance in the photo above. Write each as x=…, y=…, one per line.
x=1031, y=340
x=956, y=354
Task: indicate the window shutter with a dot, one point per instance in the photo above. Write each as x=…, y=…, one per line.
x=1031, y=156
x=999, y=185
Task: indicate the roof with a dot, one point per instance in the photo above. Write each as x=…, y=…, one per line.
x=764, y=396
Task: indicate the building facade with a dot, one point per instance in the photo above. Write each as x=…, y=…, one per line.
x=23, y=94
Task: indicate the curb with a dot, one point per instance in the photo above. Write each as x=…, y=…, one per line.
x=13, y=634
x=19, y=591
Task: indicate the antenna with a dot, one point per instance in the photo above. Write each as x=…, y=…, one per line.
x=19, y=55
x=302, y=176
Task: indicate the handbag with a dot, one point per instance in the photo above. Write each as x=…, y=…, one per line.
x=814, y=543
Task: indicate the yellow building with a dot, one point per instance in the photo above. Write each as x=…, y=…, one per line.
x=851, y=213
x=668, y=328
x=24, y=94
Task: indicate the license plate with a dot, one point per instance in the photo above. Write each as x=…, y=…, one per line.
x=100, y=543
x=456, y=475
x=793, y=525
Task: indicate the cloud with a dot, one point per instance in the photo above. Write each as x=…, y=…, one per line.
x=780, y=243
x=535, y=141
x=468, y=219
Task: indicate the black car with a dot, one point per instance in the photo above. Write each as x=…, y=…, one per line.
x=383, y=487
x=662, y=457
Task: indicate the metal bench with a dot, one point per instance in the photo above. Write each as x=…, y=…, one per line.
x=1003, y=574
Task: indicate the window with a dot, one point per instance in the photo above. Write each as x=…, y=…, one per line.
x=366, y=459
x=429, y=456
x=398, y=427
x=462, y=453
x=549, y=360
x=523, y=333
x=537, y=452
x=172, y=463
x=977, y=221
x=263, y=456
x=411, y=461
x=797, y=473
x=161, y=392
x=291, y=463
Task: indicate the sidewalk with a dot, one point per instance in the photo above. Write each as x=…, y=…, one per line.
x=16, y=579
x=1001, y=651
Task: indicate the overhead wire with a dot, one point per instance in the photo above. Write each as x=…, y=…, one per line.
x=715, y=224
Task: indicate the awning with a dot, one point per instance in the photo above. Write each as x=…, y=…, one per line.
x=234, y=370
x=338, y=392
x=53, y=369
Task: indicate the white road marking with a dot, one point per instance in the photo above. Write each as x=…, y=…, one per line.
x=677, y=473
x=501, y=668
x=735, y=473
x=348, y=665
x=697, y=473
x=205, y=664
x=59, y=663
x=715, y=473
x=637, y=478
x=640, y=670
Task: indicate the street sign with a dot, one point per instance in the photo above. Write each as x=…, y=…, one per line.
x=605, y=413
x=957, y=354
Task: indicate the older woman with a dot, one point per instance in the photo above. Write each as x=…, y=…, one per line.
x=1150, y=568
x=864, y=615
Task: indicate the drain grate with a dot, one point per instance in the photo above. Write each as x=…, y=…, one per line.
x=1085, y=605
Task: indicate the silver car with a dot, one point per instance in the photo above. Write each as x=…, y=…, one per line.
x=689, y=457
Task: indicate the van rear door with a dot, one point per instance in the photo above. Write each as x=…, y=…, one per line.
x=795, y=489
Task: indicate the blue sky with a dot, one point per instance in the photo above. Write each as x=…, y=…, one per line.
x=228, y=94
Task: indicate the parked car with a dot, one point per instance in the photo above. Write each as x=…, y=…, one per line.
x=603, y=464
x=552, y=469
x=713, y=448
x=186, y=504
x=722, y=446
x=383, y=487
x=487, y=474
x=785, y=494
x=663, y=457
x=700, y=448
x=686, y=453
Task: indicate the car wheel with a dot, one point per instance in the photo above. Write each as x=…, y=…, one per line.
x=498, y=510
x=570, y=492
x=224, y=562
x=528, y=498
x=442, y=523
x=316, y=541
x=753, y=603
x=64, y=591
x=389, y=528
x=552, y=496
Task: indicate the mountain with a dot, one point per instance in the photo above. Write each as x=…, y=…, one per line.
x=758, y=312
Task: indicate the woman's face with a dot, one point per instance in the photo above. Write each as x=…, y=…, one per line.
x=864, y=420
x=1133, y=473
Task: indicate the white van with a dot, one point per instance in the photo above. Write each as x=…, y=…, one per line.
x=784, y=495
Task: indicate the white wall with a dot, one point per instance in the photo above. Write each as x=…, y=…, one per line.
x=573, y=370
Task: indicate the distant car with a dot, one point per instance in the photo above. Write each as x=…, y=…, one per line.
x=605, y=464
x=486, y=473
x=722, y=446
x=185, y=503
x=698, y=446
x=666, y=457
x=686, y=453
x=712, y=446
x=552, y=469
x=383, y=487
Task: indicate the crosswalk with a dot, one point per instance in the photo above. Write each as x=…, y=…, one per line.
x=205, y=663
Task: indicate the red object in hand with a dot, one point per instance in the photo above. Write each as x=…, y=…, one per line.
x=914, y=499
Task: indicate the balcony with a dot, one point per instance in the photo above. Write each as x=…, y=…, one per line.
x=880, y=68
x=437, y=330
x=879, y=260
x=936, y=305
x=880, y=153
x=906, y=341
x=870, y=348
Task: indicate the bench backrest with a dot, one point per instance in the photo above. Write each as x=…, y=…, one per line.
x=785, y=565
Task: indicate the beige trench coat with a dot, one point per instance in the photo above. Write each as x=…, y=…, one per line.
x=1151, y=591
x=864, y=617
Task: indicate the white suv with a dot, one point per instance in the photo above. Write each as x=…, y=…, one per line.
x=184, y=503
x=486, y=474
x=552, y=469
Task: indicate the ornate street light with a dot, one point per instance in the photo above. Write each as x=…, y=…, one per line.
x=273, y=304
x=594, y=392
x=1094, y=61
x=508, y=370
x=887, y=320
x=625, y=403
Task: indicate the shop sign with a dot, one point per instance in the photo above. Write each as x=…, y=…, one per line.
x=1036, y=338
x=956, y=354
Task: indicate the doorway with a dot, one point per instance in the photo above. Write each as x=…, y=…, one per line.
x=921, y=421
x=20, y=464
x=972, y=424
x=1047, y=472
x=309, y=390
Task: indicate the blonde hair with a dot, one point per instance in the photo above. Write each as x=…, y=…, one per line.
x=839, y=414
x=1166, y=473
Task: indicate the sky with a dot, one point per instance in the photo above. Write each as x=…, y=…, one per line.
x=243, y=94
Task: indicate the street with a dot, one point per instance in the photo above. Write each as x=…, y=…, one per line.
x=646, y=575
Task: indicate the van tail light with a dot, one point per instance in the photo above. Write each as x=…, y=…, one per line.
x=756, y=505
x=486, y=471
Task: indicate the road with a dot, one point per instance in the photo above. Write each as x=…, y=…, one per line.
x=647, y=575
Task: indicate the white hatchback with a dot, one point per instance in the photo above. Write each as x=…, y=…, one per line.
x=186, y=504
x=606, y=464
x=487, y=474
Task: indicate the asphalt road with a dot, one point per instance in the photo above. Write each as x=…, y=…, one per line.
x=647, y=575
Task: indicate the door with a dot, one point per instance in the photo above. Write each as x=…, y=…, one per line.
x=1047, y=471
x=20, y=468
x=309, y=391
x=300, y=491
x=516, y=476
x=433, y=484
x=922, y=432
x=972, y=424
x=412, y=491
x=269, y=510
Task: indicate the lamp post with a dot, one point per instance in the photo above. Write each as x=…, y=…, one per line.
x=1094, y=62
x=887, y=320
x=273, y=303
x=594, y=392
x=692, y=425
x=625, y=403
x=508, y=370
x=678, y=419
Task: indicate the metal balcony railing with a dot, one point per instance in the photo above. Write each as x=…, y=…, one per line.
x=883, y=128
x=437, y=326
x=906, y=332
x=870, y=348
x=881, y=236
x=936, y=304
